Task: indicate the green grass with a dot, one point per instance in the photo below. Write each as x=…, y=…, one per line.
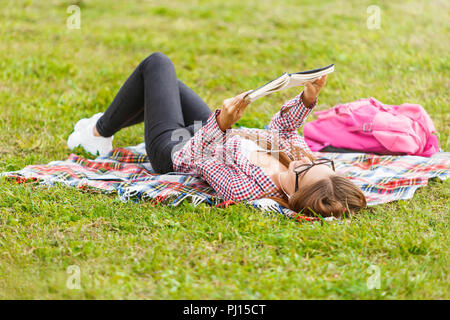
x=51, y=76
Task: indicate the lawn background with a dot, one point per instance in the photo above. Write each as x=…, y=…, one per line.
x=51, y=76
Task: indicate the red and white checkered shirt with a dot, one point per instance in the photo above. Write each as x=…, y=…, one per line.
x=216, y=156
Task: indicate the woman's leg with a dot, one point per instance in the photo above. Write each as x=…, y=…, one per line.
x=127, y=108
x=193, y=107
x=153, y=94
x=163, y=113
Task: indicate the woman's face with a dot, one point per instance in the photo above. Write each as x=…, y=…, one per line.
x=312, y=175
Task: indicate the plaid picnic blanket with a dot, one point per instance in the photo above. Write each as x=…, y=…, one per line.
x=127, y=172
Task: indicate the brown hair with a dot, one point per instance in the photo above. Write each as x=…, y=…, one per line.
x=332, y=196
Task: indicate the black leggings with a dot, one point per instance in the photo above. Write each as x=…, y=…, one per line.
x=153, y=94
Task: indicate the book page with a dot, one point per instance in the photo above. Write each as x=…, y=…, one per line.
x=270, y=87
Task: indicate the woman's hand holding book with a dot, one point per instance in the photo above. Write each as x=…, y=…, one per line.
x=231, y=111
x=312, y=90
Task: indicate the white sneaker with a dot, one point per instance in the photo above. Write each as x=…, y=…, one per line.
x=83, y=135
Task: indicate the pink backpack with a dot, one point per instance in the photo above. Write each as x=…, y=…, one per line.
x=368, y=125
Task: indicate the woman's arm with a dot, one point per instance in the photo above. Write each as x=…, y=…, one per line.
x=291, y=116
x=294, y=113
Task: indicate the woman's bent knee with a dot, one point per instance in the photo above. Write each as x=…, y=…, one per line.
x=156, y=58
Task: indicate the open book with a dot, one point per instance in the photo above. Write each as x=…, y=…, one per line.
x=288, y=80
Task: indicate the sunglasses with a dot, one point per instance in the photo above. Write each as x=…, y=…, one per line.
x=303, y=168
